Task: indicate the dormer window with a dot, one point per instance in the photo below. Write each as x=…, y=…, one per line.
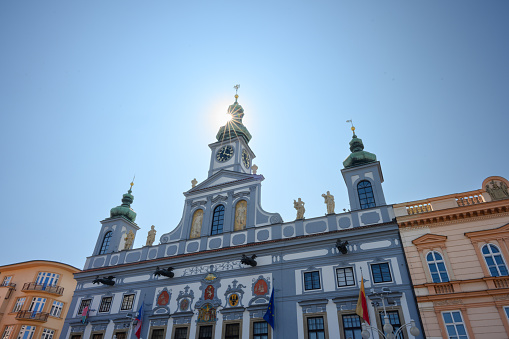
x=217, y=220
x=106, y=242
x=366, y=197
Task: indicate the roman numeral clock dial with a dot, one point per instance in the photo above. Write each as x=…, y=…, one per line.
x=224, y=154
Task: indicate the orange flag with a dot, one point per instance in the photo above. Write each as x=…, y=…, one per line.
x=362, y=305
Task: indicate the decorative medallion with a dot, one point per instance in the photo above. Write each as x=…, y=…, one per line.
x=233, y=299
x=163, y=298
x=184, y=304
x=207, y=314
x=209, y=292
x=261, y=288
x=210, y=277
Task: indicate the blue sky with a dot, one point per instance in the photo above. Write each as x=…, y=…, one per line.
x=94, y=92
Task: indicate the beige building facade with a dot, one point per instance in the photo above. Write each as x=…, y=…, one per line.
x=34, y=298
x=457, y=248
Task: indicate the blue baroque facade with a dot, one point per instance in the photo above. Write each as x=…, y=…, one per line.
x=213, y=275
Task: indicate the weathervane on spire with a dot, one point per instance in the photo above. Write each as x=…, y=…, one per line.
x=236, y=90
x=352, y=128
x=132, y=184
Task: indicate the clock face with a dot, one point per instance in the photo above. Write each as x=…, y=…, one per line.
x=246, y=160
x=224, y=154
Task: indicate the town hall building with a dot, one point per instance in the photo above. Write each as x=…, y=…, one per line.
x=212, y=277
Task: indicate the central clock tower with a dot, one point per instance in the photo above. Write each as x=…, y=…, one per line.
x=231, y=151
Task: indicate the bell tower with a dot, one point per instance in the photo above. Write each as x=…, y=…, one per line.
x=363, y=177
x=115, y=228
x=231, y=151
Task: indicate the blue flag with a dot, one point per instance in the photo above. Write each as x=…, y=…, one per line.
x=270, y=314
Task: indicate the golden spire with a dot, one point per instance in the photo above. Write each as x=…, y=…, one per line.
x=132, y=184
x=236, y=90
x=352, y=128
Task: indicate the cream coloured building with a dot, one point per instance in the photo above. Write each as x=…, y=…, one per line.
x=34, y=298
x=457, y=248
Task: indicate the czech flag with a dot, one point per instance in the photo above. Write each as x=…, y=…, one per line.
x=362, y=305
x=137, y=329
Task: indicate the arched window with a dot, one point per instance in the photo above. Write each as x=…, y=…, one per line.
x=218, y=220
x=106, y=242
x=494, y=260
x=437, y=268
x=366, y=197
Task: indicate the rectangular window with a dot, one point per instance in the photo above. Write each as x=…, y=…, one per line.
x=121, y=335
x=345, y=276
x=84, y=303
x=393, y=320
x=97, y=336
x=205, y=332
x=454, y=325
x=157, y=334
x=127, y=302
x=47, y=279
x=47, y=334
x=315, y=328
x=260, y=330
x=76, y=336
x=312, y=280
x=180, y=333
x=352, y=326
x=26, y=332
x=37, y=305
x=7, y=280
x=19, y=304
x=7, y=332
x=232, y=331
x=56, y=309
x=105, y=304
x=381, y=273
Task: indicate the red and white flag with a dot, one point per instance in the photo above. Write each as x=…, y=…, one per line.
x=362, y=305
x=137, y=329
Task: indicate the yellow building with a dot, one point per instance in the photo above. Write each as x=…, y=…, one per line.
x=457, y=249
x=34, y=298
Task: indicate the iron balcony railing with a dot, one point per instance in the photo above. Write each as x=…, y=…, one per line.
x=31, y=286
x=33, y=315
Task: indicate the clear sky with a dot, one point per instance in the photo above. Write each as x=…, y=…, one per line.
x=93, y=92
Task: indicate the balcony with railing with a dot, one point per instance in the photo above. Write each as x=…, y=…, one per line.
x=31, y=286
x=32, y=315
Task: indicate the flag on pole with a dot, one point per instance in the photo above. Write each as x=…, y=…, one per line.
x=269, y=315
x=84, y=315
x=362, y=305
x=137, y=329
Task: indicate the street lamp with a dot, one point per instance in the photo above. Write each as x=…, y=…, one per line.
x=387, y=324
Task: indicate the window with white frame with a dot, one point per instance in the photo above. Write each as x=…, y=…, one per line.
x=47, y=334
x=56, y=309
x=105, y=304
x=345, y=276
x=437, y=267
x=19, y=304
x=106, y=242
x=381, y=272
x=8, y=332
x=494, y=260
x=84, y=303
x=47, y=278
x=7, y=280
x=454, y=325
x=312, y=280
x=26, y=332
x=37, y=304
x=127, y=302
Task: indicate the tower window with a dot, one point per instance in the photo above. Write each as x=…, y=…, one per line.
x=106, y=242
x=366, y=197
x=218, y=220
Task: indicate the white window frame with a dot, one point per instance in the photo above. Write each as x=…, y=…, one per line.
x=37, y=301
x=373, y=275
x=47, y=333
x=436, y=262
x=109, y=306
x=51, y=278
x=319, y=280
x=454, y=323
x=80, y=308
x=353, y=276
x=132, y=304
x=7, y=280
x=56, y=309
x=8, y=332
x=26, y=332
x=492, y=255
x=19, y=304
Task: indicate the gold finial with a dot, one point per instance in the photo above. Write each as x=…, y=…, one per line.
x=352, y=128
x=132, y=184
x=236, y=90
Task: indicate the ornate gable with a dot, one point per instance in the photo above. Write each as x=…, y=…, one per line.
x=429, y=241
x=486, y=235
x=224, y=177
